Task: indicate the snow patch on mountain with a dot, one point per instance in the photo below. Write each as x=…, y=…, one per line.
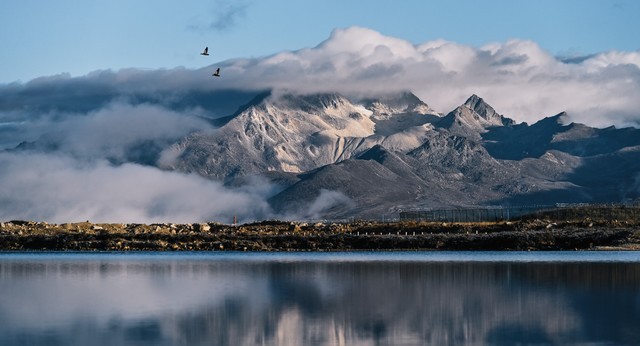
x=377, y=155
x=391, y=104
x=297, y=133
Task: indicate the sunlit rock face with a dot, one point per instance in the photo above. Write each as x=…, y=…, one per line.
x=473, y=155
x=295, y=155
x=285, y=115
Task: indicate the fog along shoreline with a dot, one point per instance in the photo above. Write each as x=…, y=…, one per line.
x=295, y=236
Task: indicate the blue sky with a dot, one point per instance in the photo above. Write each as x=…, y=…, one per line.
x=92, y=78
x=43, y=38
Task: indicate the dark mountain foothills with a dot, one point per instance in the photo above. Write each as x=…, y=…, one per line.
x=394, y=152
x=531, y=234
x=380, y=155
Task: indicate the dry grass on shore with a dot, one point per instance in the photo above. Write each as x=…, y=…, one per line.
x=300, y=236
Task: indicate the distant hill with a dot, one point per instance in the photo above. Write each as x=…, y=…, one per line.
x=379, y=155
x=329, y=156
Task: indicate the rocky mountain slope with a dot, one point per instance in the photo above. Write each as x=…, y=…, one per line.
x=379, y=155
x=329, y=156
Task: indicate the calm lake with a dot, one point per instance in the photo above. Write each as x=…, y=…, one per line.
x=363, y=298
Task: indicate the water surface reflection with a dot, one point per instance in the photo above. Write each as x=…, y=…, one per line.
x=319, y=299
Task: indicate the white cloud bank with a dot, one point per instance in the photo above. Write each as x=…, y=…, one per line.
x=89, y=125
x=517, y=77
x=61, y=189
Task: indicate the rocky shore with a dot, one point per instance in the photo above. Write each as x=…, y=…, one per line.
x=292, y=236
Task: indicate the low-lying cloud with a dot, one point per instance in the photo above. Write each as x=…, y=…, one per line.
x=58, y=188
x=90, y=143
x=326, y=201
x=113, y=132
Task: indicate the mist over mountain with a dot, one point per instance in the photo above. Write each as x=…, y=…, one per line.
x=313, y=156
x=330, y=131
x=519, y=77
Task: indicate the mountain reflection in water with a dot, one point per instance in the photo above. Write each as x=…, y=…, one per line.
x=241, y=299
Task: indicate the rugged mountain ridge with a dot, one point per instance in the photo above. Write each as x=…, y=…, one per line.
x=379, y=155
x=329, y=156
x=298, y=133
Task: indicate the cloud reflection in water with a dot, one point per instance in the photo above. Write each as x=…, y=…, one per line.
x=107, y=300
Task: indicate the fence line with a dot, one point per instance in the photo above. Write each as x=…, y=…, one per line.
x=557, y=212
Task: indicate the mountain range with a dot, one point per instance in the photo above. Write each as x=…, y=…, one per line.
x=369, y=157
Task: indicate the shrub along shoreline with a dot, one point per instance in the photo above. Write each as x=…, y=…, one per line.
x=294, y=236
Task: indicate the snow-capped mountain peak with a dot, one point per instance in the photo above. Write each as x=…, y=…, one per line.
x=332, y=114
x=284, y=133
x=389, y=152
x=473, y=117
x=404, y=102
x=486, y=112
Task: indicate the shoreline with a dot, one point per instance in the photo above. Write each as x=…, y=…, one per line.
x=532, y=235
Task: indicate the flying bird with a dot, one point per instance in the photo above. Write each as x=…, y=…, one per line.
x=206, y=51
x=217, y=73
